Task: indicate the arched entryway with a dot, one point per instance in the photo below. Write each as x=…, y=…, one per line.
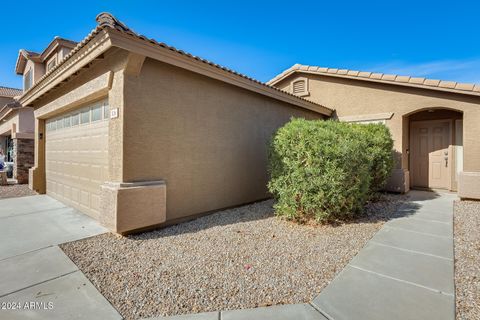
x=435, y=148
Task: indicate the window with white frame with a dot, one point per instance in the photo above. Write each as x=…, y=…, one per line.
x=95, y=112
x=27, y=80
x=52, y=63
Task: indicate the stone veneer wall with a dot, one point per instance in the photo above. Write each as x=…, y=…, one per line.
x=23, y=159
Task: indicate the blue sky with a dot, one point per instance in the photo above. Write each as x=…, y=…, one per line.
x=437, y=39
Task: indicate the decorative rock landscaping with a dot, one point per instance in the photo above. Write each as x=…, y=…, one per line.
x=15, y=190
x=238, y=258
x=467, y=259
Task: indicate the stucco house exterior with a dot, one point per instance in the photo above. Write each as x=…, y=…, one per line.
x=16, y=133
x=137, y=134
x=435, y=124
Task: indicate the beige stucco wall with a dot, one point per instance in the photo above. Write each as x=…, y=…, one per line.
x=23, y=120
x=357, y=97
x=77, y=92
x=6, y=126
x=38, y=70
x=205, y=138
x=192, y=143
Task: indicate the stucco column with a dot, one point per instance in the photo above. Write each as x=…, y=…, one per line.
x=469, y=178
x=399, y=180
x=36, y=179
x=23, y=158
x=127, y=205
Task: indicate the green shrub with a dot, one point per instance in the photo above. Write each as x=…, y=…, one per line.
x=318, y=169
x=327, y=170
x=379, y=149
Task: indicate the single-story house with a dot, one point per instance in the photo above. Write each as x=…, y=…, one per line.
x=435, y=124
x=136, y=133
x=16, y=133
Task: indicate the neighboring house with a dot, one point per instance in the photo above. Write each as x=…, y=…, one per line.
x=136, y=133
x=16, y=133
x=33, y=66
x=435, y=124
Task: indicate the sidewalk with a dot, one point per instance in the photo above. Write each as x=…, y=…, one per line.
x=37, y=280
x=406, y=271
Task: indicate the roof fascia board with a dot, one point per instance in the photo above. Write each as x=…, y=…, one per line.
x=96, y=46
x=57, y=42
x=87, y=92
x=403, y=84
x=133, y=44
x=49, y=50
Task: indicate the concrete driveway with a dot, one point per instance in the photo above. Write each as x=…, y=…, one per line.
x=37, y=280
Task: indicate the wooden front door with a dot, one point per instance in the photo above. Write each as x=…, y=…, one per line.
x=430, y=165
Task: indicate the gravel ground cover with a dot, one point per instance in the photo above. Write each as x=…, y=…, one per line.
x=15, y=190
x=238, y=258
x=467, y=259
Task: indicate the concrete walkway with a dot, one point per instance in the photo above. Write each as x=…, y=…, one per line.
x=404, y=272
x=37, y=280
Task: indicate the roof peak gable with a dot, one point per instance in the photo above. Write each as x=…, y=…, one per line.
x=419, y=82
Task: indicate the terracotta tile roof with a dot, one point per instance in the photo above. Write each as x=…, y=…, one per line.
x=10, y=92
x=450, y=86
x=106, y=20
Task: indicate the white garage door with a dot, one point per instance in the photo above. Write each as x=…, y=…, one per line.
x=76, y=151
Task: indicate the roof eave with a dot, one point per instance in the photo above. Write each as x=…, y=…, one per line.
x=304, y=69
x=87, y=51
x=22, y=58
x=21, y=62
x=5, y=112
x=145, y=47
x=54, y=44
x=107, y=35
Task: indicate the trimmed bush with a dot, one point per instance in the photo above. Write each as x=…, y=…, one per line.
x=379, y=149
x=318, y=169
x=322, y=170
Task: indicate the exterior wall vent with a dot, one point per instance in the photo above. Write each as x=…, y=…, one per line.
x=299, y=87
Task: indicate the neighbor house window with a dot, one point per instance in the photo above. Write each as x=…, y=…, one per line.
x=300, y=87
x=51, y=64
x=27, y=80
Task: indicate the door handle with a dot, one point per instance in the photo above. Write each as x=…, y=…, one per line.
x=446, y=161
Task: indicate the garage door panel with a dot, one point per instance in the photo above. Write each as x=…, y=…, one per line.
x=77, y=161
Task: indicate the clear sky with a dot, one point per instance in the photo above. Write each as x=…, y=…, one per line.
x=437, y=39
